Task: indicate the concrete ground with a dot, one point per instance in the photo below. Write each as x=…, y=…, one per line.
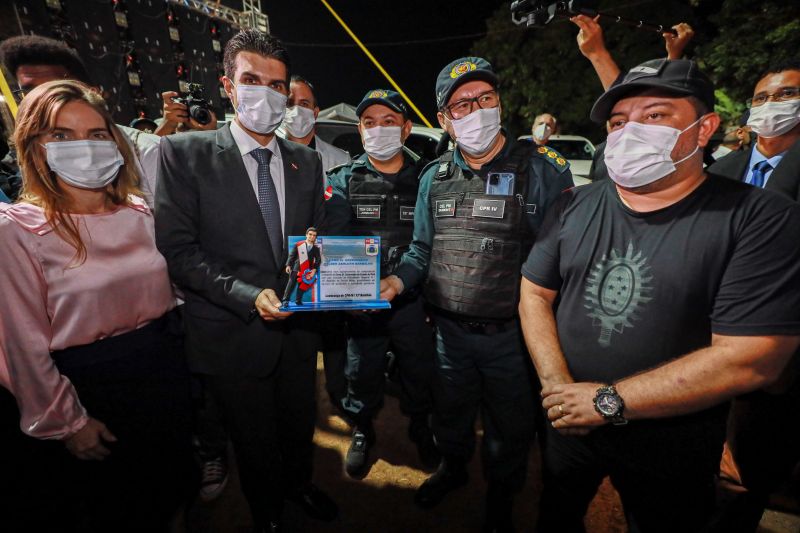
x=383, y=501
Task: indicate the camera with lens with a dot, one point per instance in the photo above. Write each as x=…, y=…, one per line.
x=199, y=109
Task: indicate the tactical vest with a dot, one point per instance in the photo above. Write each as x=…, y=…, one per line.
x=480, y=240
x=384, y=209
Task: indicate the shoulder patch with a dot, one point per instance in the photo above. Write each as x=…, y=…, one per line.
x=552, y=157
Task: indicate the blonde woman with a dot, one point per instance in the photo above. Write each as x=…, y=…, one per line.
x=86, y=347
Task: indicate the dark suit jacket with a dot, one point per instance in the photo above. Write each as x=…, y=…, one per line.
x=209, y=228
x=785, y=178
x=314, y=257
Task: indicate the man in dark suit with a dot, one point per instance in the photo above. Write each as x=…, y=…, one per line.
x=763, y=443
x=774, y=162
x=304, y=257
x=225, y=201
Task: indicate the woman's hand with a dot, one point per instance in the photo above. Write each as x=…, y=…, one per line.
x=87, y=443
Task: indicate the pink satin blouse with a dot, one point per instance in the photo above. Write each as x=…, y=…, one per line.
x=48, y=303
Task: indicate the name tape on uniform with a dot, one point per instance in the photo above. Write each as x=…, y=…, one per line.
x=485, y=208
x=368, y=211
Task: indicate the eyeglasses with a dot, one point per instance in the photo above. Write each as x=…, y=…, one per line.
x=783, y=95
x=462, y=108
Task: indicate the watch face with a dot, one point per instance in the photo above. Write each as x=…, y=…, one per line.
x=608, y=404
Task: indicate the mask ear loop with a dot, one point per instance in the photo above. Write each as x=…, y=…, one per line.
x=696, y=148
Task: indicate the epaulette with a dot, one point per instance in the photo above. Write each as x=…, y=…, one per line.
x=337, y=167
x=552, y=157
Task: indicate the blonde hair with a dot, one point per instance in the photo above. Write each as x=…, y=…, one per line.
x=36, y=117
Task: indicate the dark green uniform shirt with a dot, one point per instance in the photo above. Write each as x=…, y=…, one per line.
x=548, y=175
x=338, y=212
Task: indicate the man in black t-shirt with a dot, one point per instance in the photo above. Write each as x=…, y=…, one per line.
x=648, y=301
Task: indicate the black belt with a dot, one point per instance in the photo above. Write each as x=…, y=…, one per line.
x=487, y=328
x=476, y=325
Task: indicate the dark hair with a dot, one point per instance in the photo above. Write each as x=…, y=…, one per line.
x=38, y=50
x=251, y=40
x=312, y=228
x=782, y=66
x=299, y=79
x=699, y=106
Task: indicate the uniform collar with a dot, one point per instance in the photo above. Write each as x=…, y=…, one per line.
x=363, y=161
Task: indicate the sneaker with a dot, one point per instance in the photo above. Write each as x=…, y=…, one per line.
x=356, y=462
x=214, y=479
x=420, y=434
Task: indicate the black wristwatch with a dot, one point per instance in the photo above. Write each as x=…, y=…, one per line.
x=609, y=404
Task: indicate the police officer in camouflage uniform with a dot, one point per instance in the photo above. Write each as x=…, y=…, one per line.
x=374, y=194
x=476, y=217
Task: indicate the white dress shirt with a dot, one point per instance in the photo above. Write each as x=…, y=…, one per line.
x=145, y=147
x=247, y=144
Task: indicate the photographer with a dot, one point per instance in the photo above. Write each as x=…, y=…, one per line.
x=177, y=114
x=35, y=60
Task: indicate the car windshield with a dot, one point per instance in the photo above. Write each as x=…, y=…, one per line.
x=572, y=149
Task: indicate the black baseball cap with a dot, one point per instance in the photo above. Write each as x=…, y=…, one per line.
x=461, y=71
x=680, y=76
x=390, y=99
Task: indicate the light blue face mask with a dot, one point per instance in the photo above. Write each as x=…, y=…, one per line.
x=85, y=164
x=259, y=108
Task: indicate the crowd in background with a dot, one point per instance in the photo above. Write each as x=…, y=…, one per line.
x=644, y=327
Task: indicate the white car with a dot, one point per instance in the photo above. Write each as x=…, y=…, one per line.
x=578, y=150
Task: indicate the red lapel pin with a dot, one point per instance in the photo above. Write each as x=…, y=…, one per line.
x=294, y=166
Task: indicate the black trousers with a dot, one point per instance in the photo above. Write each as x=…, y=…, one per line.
x=764, y=438
x=402, y=328
x=137, y=384
x=665, y=475
x=270, y=421
x=334, y=355
x=490, y=372
x=290, y=286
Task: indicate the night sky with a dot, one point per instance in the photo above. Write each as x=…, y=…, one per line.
x=344, y=73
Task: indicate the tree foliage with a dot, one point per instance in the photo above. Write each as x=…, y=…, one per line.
x=542, y=70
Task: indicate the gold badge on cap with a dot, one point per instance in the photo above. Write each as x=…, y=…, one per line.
x=462, y=68
x=378, y=93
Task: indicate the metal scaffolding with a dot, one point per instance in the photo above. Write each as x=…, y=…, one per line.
x=250, y=16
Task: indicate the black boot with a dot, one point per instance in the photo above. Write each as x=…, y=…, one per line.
x=420, y=434
x=451, y=474
x=499, y=509
x=356, y=463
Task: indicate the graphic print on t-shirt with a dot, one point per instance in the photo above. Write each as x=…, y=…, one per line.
x=616, y=289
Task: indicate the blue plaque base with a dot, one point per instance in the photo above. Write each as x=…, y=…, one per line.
x=337, y=306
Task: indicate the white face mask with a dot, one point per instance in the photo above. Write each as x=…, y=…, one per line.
x=476, y=132
x=639, y=154
x=542, y=132
x=299, y=121
x=720, y=152
x=85, y=164
x=773, y=119
x=259, y=108
x=382, y=142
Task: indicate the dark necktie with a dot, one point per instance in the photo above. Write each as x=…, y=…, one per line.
x=760, y=170
x=268, y=202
